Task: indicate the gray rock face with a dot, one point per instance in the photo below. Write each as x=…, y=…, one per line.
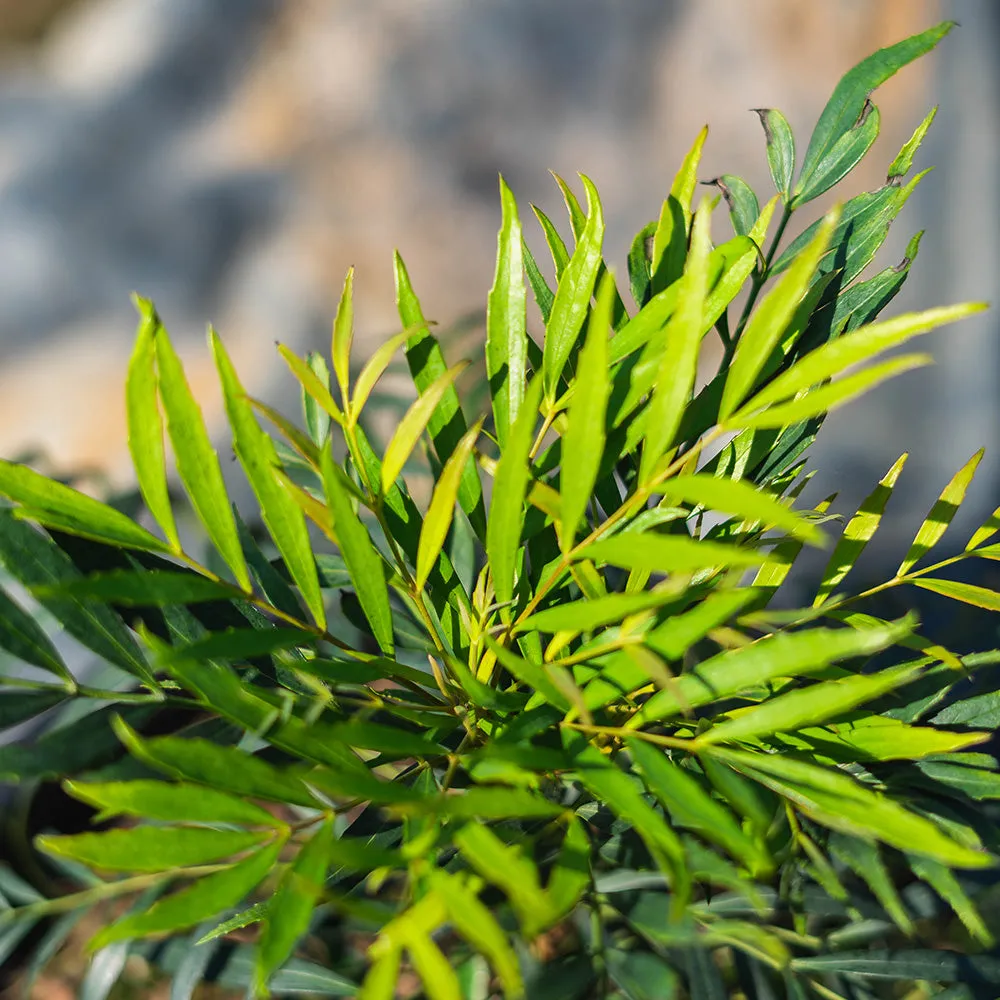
x=230, y=159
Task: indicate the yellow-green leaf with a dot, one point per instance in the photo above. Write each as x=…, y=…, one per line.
x=771, y=318
x=941, y=514
x=279, y=511
x=572, y=300
x=583, y=439
x=859, y=531
x=145, y=428
x=311, y=383
x=442, y=507
x=373, y=370
x=362, y=558
x=679, y=362
x=343, y=334
x=510, y=486
x=967, y=593
x=197, y=462
x=414, y=423
x=54, y=503
x=667, y=553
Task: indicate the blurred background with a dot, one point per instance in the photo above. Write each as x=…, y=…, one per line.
x=231, y=158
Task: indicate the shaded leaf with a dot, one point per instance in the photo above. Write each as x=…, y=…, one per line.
x=23, y=637
x=780, y=149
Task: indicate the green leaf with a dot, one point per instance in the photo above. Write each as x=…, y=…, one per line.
x=447, y=423
x=900, y=166
x=35, y=560
x=865, y=860
x=74, y=511
x=289, y=911
x=150, y=848
x=510, y=486
x=827, y=397
x=138, y=588
x=197, y=462
x=224, y=768
x=509, y=868
x=316, y=418
x=145, y=428
x=667, y=553
x=780, y=149
x=477, y=925
x=858, y=533
x=848, y=101
x=555, y=243
x=589, y=615
x=572, y=299
x=538, y=677
x=19, y=706
x=571, y=874
x=204, y=899
x=835, y=356
x=639, y=276
x=280, y=513
x=23, y=637
x=343, y=334
x=845, y=155
x=362, y=559
x=732, y=496
x=680, y=632
x=312, y=385
x=177, y=803
x=641, y=975
x=678, y=366
x=967, y=593
x=493, y=802
x=809, y=706
x=941, y=514
x=374, y=369
x=539, y=287
x=414, y=423
x=691, y=806
x=742, y=202
x=932, y=966
x=506, y=321
x=835, y=800
x=670, y=239
x=771, y=319
x=609, y=785
x=947, y=887
x=784, y=654
x=583, y=439
x=434, y=530
x=236, y=644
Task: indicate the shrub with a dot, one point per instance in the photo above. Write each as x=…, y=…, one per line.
x=545, y=734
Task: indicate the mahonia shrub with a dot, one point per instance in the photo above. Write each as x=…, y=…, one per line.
x=543, y=734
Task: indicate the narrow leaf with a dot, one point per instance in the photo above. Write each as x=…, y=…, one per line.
x=731, y=496
x=145, y=428
x=150, y=848
x=414, y=423
x=678, y=366
x=583, y=439
x=743, y=205
x=442, y=507
x=510, y=486
x=900, y=166
x=572, y=300
x=667, y=553
x=847, y=102
x=771, y=318
x=780, y=149
x=74, y=509
x=343, y=334
x=137, y=588
x=967, y=593
x=23, y=637
x=858, y=533
x=791, y=654
x=837, y=355
x=204, y=899
x=290, y=909
x=311, y=383
x=374, y=368
x=941, y=514
x=362, y=559
x=197, y=462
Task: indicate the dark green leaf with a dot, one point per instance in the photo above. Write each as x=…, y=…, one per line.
x=743, y=205
x=23, y=637
x=932, y=966
x=18, y=706
x=138, y=588
x=780, y=149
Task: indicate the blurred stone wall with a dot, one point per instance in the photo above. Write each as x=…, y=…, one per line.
x=231, y=158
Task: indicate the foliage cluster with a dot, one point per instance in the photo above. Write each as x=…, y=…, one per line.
x=547, y=735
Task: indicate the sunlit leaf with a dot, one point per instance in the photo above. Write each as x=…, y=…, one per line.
x=343, y=334
x=583, y=439
x=941, y=514
x=780, y=149
x=900, y=166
